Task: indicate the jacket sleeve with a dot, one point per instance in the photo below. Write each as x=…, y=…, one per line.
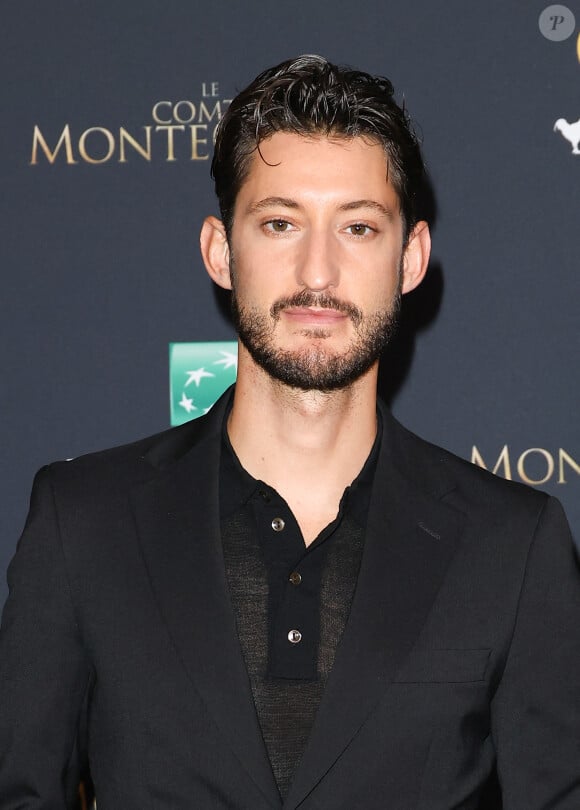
x=43, y=671
x=536, y=709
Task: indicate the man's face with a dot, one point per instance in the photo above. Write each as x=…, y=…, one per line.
x=316, y=257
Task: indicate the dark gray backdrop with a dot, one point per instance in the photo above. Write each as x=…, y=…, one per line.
x=99, y=261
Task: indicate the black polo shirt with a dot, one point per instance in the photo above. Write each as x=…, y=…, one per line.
x=291, y=602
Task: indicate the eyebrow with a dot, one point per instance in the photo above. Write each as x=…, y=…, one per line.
x=287, y=202
x=372, y=204
x=272, y=202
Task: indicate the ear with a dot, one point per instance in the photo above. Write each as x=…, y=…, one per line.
x=215, y=251
x=416, y=257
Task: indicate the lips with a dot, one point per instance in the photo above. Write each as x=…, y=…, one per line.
x=314, y=315
x=318, y=308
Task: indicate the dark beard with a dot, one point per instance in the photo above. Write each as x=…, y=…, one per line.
x=314, y=368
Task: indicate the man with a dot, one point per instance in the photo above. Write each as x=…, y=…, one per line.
x=293, y=601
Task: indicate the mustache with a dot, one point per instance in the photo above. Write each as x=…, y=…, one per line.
x=308, y=298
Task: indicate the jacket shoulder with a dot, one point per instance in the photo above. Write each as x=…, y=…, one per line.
x=128, y=463
x=469, y=482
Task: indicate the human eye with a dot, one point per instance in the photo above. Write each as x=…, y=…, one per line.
x=359, y=229
x=277, y=225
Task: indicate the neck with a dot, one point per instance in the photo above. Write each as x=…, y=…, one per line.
x=308, y=445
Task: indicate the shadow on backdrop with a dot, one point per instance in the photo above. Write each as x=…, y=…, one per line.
x=418, y=310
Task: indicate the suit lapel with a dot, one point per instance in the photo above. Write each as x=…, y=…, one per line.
x=177, y=515
x=411, y=538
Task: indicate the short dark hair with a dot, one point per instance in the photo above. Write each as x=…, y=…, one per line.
x=309, y=96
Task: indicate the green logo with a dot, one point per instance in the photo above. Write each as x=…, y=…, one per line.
x=199, y=373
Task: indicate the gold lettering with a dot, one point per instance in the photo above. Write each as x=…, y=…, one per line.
x=213, y=91
x=188, y=105
x=170, y=130
x=205, y=115
x=196, y=141
x=144, y=151
x=82, y=145
x=503, y=459
x=155, y=112
x=549, y=466
x=563, y=456
x=38, y=140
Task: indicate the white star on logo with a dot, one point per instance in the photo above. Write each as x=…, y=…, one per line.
x=229, y=360
x=187, y=403
x=197, y=375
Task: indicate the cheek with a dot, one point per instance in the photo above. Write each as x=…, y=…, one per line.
x=379, y=286
x=253, y=286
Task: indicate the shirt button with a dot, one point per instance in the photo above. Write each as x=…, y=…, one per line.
x=294, y=636
x=295, y=578
x=278, y=524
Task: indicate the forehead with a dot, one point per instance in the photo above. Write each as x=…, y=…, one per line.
x=291, y=165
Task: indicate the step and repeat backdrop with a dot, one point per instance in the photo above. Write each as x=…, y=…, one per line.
x=110, y=327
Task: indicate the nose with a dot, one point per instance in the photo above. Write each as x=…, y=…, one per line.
x=317, y=266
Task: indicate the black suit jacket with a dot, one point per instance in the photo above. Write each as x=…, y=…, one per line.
x=460, y=659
